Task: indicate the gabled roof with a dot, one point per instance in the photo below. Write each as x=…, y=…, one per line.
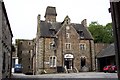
x=109, y=51
x=46, y=32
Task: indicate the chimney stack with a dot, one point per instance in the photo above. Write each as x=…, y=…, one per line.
x=84, y=22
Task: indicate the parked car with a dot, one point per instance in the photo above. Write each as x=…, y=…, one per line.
x=114, y=68
x=110, y=68
x=18, y=68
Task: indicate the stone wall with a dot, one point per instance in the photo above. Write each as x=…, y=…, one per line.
x=5, y=43
x=1, y=58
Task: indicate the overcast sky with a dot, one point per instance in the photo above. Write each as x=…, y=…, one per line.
x=22, y=14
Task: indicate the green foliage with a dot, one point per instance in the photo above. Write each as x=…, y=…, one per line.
x=101, y=33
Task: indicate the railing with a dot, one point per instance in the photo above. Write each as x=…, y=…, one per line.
x=45, y=71
x=66, y=69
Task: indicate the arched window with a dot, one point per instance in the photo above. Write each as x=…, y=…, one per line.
x=83, y=61
x=52, y=61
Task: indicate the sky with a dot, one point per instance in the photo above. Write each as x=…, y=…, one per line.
x=22, y=14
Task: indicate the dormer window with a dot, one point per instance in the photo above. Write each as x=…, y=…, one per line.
x=81, y=33
x=52, y=30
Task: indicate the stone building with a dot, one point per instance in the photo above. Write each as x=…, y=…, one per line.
x=25, y=53
x=5, y=43
x=63, y=46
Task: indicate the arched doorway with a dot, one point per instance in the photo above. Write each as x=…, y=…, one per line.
x=68, y=61
x=84, y=65
x=83, y=61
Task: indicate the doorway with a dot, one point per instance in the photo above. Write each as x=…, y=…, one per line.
x=68, y=63
x=83, y=61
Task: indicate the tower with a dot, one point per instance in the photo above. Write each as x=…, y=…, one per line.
x=50, y=14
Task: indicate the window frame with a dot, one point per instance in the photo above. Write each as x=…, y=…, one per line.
x=82, y=46
x=68, y=46
x=52, y=46
x=81, y=34
x=52, y=60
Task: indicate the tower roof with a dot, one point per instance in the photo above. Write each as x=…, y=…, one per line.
x=51, y=11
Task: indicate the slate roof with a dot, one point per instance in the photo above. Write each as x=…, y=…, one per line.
x=80, y=27
x=109, y=51
x=45, y=29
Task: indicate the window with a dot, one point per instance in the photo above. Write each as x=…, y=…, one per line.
x=29, y=59
x=4, y=60
x=29, y=43
x=67, y=21
x=81, y=34
x=52, y=45
x=53, y=61
x=29, y=67
x=50, y=61
x=82, y=46
x=68, y=46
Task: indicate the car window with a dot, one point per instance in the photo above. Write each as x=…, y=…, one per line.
x=18, y=66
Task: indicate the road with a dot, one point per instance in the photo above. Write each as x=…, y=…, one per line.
x=69, y=76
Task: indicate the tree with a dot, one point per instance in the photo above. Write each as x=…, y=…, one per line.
x=108, y=35
x=101, y=33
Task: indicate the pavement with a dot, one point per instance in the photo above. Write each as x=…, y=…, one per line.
x=79, y=75
x=66, y=76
